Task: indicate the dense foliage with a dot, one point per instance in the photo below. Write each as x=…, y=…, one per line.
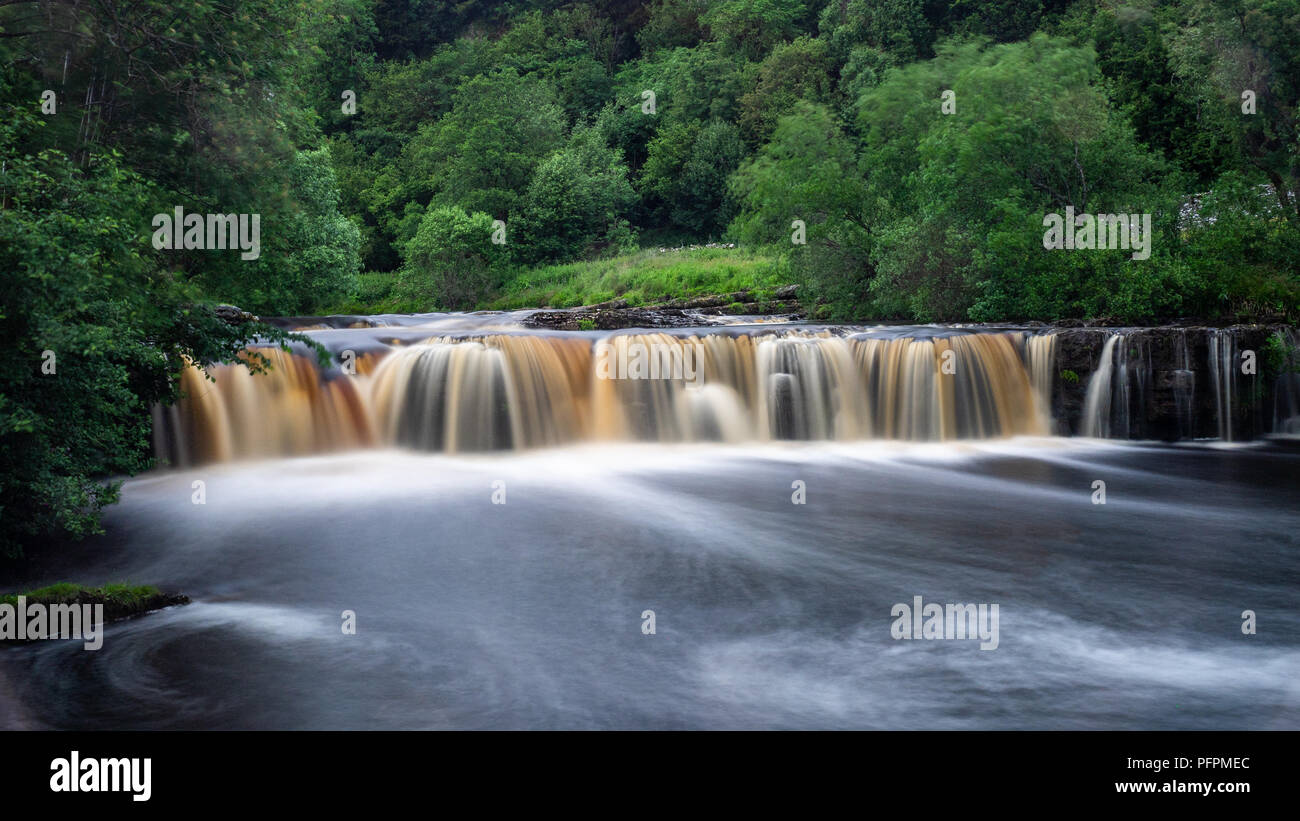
x=92, y=332
x=435, y=155
x=920, y=143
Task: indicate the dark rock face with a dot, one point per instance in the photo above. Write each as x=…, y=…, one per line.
x=1164, y=383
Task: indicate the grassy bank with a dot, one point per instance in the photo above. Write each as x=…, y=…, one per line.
x=119, y=600
x=641, y=278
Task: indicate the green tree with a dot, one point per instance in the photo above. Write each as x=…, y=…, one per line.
x=958, y=200
x=1001, y=20
x=1230, y=49
x=686, y=175
x=576, y=204
x=672, y=24
x=452, y=261
x=314, y=253
x=480, y=156
x=690, y=86
x=800, y=70
x=753, y=27
x=93, y=331
x=897, y=29
x=1165, y=109
x=808, y=171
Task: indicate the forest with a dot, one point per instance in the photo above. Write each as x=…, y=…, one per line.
x=898, y=160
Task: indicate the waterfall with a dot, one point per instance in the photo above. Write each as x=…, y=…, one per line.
x=516, y=391
x=510, y=390
x=1222, y=364
x=1040, y=354
x=1097, y=400
x=497, y=393
x=1119, y=389
x=1184, y=385
x=289, y=410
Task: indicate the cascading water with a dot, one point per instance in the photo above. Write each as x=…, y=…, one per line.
x=510, y=390
x=291, y=409
x=1097, y=403
x=500, y=392
x=1120, y=385
x=1222, y=361
x=1184, y=386
x=775, y=607
x=1040, y=354
x=513, y=391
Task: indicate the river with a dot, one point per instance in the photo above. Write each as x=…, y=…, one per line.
x=496, y=585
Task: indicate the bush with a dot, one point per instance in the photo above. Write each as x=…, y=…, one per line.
x=576, y=204
x=452, y=261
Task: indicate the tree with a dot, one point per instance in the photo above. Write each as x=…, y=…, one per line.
x=207, y=105
x=752, y=27
x=958, y=200
x=690, y=86
x=672, y=24
x=800, y=70
x=93, y=331
x=314, y=253
x=452, y=261
x=1166, y=110
x=1003, y=21
x=480, y=156
x=1250, y=46
x=576, y=203
x=808, y=172
x=897, y=29
x=686, y=174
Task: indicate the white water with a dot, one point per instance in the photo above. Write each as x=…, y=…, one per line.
x=1097, y=402
x=769, y=614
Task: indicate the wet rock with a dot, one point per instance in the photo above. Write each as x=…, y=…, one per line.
x=616, y=314
x=1167, y=373
x=555, y=320
x=234, y=315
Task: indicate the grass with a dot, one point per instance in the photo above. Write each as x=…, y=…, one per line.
x=377, y=294
x=119, y=600
x=642, y=277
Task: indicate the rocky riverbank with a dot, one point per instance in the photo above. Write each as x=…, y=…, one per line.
x=673, y=313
